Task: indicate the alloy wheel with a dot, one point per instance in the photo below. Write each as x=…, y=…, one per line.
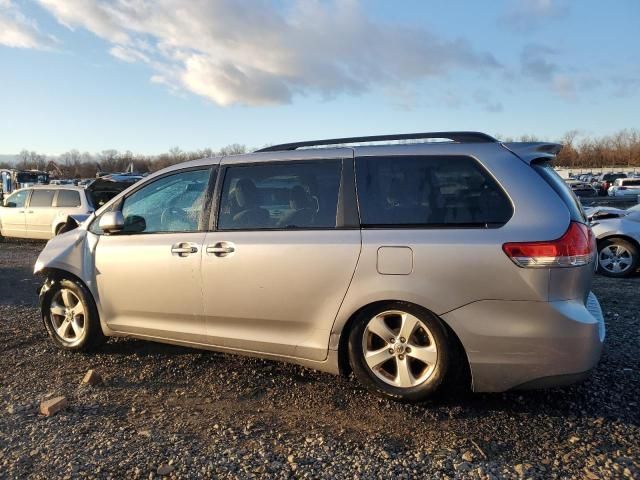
x=68, y=316
x=399, y=349
x=615, y=258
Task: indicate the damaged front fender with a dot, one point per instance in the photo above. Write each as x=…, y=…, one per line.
x=71, y=252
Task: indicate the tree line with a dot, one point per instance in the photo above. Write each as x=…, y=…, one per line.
x=76, y=164
x=622, y=149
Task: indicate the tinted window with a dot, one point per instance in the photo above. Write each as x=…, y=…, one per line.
x=276, y=196
x=18, y=199
x=174, y=203
x=425, y=190
x=610, y=177
x=42, y=198
x=547, y=172
x=633, y=183
x=68, y=198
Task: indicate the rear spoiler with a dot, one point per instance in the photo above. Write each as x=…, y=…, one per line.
x=532, y=151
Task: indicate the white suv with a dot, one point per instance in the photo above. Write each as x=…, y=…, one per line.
x=41, y=211
x=625, y=187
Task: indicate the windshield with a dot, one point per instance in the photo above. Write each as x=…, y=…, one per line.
x=32, y=177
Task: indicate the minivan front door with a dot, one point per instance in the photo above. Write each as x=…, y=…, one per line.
x=148, y=276
x=281, y=260
x=13, y=216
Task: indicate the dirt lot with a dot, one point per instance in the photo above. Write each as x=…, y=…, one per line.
x=206, y=414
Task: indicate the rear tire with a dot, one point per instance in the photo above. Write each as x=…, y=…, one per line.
x=617, y=257
x=400, y=351
x=71, y=317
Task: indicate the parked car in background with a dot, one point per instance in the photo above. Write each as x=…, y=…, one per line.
x=582, y=189
x=617, y=234
x=625, y=187
x=40, y=212
x=407, y=264
x=605, y=180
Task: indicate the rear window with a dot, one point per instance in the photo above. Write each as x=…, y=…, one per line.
x=632, y=183
x=68, y=198
x=429, y=191
x=610, y=177
x=546, y=171
x=42, y=198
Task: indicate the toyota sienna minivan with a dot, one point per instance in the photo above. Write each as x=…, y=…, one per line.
x=402, y=262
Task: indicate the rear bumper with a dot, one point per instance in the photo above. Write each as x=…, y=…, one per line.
x=512, y=344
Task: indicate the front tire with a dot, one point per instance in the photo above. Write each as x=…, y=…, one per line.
x=400, y=351
x=71, y=317
x=617, y=258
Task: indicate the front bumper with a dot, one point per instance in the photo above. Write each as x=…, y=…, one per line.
x=513, y=344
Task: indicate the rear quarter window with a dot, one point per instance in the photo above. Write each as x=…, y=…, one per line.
x=429, y=191
x=68, y=198
x=555, y=181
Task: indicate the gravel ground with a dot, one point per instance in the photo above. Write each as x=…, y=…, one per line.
x=188, y=413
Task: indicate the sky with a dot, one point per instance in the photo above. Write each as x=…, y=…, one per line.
x=149, y=75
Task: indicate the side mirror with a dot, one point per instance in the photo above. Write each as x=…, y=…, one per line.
x=10, y=204
x=111, y=222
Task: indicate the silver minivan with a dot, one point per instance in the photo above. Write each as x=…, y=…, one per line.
x=405, y=263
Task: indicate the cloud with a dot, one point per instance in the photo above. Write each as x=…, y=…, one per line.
x=253, y=52
x=129, y=55
x=17, y=31
x=528, y=15
x=564, y=86
x=535, y=62
x=487, y=102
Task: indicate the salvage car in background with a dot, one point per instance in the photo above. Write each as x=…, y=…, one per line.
x=41, y=212
x=617, y=234
x=625, y=187
x=582, y=189
x=605, y=180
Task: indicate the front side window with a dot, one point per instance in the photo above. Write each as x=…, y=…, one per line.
x=429, y=191
x=174, y=203
x=280, y=196
x=18, y=199
x=42, y=198
x=68, y=198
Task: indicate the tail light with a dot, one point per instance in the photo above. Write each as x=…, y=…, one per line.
x=575, y=248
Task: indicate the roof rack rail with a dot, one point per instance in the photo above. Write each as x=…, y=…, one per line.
x=460, y=137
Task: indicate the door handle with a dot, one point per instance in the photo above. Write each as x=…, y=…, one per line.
x=183, y=249
x=221, y=249
x=30, y=211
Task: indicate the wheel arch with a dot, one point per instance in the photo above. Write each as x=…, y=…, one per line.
x=51, y=273
x=56, y=227
x=464, y=373
x=621, y=236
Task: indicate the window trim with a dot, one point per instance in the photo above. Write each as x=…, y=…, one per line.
x=344, y=209
x=436, y=226
x=118, y=204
